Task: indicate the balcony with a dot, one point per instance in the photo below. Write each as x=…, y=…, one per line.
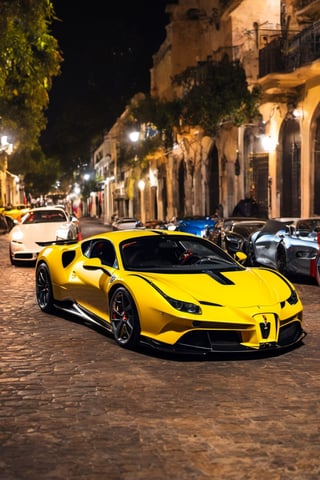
x=307, y=11
x=288, y=59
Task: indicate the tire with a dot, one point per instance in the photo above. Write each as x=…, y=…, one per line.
x=11, y=257
x=281, y=260
x=124, y=319
x=44, y=289
x=318, y=270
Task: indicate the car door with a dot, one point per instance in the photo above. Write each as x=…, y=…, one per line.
x=267, y=241
x=91, y=283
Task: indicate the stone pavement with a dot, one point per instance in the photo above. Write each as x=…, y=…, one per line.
x=75, y=406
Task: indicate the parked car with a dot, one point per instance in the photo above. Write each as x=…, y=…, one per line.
x=6, y=223
x=234, y=234
x=16, y=212
x=125, y=223
x=154, y=223
x=291, y=246
x=73, y=217
x=198, y=225
x=171, y=291
x=42, y=224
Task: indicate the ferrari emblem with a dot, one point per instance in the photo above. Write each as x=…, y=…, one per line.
x=265, y=327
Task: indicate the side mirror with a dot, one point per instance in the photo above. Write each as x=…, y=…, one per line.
x=241, y=257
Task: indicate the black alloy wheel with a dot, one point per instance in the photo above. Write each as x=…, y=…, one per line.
x=124, y=319
x=44, y=289
x=281, y=260
x=318, y=270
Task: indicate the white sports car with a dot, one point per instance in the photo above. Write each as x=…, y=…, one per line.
x=41, y=224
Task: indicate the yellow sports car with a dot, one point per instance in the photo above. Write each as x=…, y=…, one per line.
x=173, y=291
x=16, y=212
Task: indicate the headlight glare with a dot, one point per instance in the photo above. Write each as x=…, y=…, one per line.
x=17, y=236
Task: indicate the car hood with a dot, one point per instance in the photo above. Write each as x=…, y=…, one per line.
x=42, y=232
x=237, y=289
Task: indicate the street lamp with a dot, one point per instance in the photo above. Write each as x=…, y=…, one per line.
x=141, y=186
x=134, y=136
x=268, y=143
x=5, y=145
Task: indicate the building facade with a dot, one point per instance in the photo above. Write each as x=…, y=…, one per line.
x=275, y=158
x=11, y=186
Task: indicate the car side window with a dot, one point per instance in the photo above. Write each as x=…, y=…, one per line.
x=105, y=251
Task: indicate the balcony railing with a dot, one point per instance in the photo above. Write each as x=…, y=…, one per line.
x=305, y=5
x=299, y=4
x=286, y=53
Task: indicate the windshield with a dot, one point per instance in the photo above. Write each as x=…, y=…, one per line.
x=308, y=225
x=175, y=253
x=44, y=216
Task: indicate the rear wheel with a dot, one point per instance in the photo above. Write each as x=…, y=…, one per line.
x=318, y=270
x=124, y=319
x=44, y=289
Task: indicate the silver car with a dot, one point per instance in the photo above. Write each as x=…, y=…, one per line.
x=291, y=246
x=43, y=224
x=125, y=223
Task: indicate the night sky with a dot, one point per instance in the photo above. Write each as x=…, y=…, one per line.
x=107, y=50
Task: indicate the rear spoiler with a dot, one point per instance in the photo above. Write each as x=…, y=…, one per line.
x=57, y=242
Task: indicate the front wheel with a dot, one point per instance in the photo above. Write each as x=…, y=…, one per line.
x=44, y=289
x=124, y=319
x=11, y=257
x=281, y=260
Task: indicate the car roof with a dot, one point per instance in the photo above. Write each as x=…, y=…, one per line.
x=119, y=235
x=287, y=220
x=45, y=208
x=194, y=217
x=246, y=222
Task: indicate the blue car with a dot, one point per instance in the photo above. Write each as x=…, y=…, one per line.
x=198, y=225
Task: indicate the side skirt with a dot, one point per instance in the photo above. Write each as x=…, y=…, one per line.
x=83, y=314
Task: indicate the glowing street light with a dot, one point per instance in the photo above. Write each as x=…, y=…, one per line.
x=134, y=136
x=5, y=145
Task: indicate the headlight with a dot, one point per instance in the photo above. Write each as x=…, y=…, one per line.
x=293, y=299
x=179, y=304
x=183, y=306
x=17, y=236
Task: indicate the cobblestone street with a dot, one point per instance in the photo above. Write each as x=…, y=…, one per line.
x=75, y=406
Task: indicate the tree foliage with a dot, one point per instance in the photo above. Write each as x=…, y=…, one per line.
x=215, y=92
x=29, y=59
x=212, y=93
x=40, y=172
x=164, y=115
